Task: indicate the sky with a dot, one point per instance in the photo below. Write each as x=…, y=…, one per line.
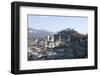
x=58, y=23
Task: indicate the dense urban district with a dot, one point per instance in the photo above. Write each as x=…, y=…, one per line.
x=65, y=44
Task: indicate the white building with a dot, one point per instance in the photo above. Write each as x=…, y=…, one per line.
x=51, y=43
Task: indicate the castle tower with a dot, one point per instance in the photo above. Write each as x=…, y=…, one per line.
x=68, y=39
x=59, y=38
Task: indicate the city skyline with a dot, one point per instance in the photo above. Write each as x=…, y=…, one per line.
x=58, y=23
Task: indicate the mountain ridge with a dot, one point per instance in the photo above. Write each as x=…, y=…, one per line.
x=38, y=33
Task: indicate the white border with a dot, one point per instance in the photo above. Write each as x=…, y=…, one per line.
x=26, y=65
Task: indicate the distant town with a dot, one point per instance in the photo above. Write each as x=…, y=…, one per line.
x=65, y=44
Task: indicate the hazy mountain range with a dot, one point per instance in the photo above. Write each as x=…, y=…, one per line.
x=38, y=33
